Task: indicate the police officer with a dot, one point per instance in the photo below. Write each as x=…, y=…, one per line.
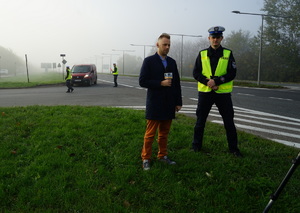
x=215, y=70
x=68, y=79
x=115, y=73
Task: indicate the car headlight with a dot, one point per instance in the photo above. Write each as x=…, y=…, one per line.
x=86, y=76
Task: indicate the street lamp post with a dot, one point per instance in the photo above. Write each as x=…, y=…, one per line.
x=143, y=45
x=110, y=55
x=123, y=55
x=103, y=62
x=261, y=37
x=181, y=52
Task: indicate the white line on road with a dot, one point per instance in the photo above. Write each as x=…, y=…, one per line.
x=288, y=143
x=262, y=130
x=268, y=124
x=283, y=99
x=259, y=118
x=245, y=94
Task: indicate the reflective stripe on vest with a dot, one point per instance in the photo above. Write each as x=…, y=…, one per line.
x=220, y=71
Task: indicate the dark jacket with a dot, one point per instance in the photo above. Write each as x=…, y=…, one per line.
x=214, y=56
x=161, y=101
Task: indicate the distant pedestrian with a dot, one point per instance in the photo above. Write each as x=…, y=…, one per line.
x=115, y=73
x=160, y=76
x=215, y=70
x=68, y=79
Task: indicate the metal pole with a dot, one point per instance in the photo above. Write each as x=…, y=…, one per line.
x=181, y=58
x=123, y=62
x=110, y=60
x=123, y=57
x=143, y=45
x=261, y=36
x=102, y=64
x=27, y=68
x=63, y=68
x=260, y=51
x=275, y=196
x=181, y=62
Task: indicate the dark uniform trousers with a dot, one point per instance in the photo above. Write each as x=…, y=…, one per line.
x=225, y=107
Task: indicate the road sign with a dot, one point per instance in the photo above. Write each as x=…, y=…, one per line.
x=64, y=61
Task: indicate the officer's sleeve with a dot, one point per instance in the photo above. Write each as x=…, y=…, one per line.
x=197, y=71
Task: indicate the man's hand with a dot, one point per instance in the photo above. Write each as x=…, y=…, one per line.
x=177, y=108
x=166, y=83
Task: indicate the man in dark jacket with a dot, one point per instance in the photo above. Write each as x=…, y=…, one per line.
x=159, y=74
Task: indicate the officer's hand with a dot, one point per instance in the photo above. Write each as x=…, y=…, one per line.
x=215, y=88
x=211, y=83
x=166, y=83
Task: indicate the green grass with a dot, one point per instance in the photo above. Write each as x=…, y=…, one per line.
x=36, y=79
x=87, y=159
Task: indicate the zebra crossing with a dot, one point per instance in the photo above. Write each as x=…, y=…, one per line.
x=281, y=129
x=277, y=128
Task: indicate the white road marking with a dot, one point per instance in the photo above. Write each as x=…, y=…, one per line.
x=283, y=99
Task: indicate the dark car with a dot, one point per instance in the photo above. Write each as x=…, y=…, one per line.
x=84, y=74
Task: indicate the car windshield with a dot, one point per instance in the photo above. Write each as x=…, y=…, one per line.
x=81, y=69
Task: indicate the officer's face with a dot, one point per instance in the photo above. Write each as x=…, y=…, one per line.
x=163, y=46
x=215, y=41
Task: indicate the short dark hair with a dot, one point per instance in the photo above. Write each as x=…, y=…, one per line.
x=164, y=35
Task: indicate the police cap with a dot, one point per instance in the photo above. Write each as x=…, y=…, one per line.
x=216, y=31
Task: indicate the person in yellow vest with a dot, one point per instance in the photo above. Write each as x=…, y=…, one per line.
x=68, y=79
x=215, y=69
x=115, y=73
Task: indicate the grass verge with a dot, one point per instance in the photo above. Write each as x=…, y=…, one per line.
x=36, y=79
x=87, y=159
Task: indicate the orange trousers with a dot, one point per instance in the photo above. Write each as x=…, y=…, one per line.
x=163, y=127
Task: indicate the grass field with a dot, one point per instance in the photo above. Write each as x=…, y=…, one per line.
x=35, y=79
x=87, y=159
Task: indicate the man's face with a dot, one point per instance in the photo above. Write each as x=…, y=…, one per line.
x=215, y=41
x=163, y=46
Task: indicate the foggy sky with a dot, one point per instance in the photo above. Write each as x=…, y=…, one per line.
x=85, y=29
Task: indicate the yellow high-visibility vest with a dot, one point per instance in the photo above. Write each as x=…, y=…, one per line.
x=220, y=71
x=116, y=73
x=69, y=77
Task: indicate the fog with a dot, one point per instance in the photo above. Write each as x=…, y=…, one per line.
x=87, y=30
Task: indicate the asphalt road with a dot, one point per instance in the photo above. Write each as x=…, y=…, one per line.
x=270, y=113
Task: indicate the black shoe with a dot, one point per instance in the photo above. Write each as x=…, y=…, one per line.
x=72, y=90
x=196, y=148
x=68, y=91
x=237, y=154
